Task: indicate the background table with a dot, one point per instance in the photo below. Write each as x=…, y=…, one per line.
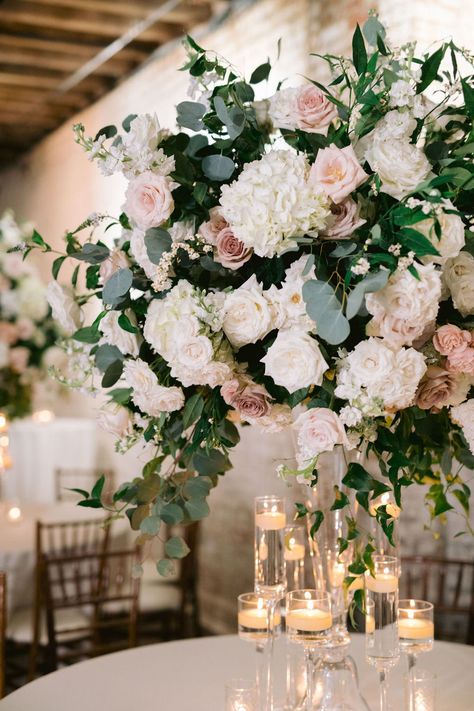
x=190, y=676
x=37, y=449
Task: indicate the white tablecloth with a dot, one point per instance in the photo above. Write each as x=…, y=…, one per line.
x=38, y=449
x=17, y=545
x=190, y=676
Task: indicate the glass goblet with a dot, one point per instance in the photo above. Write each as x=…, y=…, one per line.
x=416, y=634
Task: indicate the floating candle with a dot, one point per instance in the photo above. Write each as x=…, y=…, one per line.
x=415, y=628
x=309, y=619
x=294, y=551
x=270, y=520
x=382, y=583
x=257, y=618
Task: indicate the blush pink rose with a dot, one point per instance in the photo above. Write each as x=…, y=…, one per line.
x=210, y=229
x=450, y=338
x=229, y=390
x=314, y=111
x=115, y=261
x=337, y=172
x=8, y=333
x=19, y=359
x=230, y=251
x=436, y=388
x=319, y=430
x=345, y=220
x=461, y=361
x=149, y=202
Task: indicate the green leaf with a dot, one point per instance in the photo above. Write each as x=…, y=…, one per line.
x=341, y=500
x=117, y=286
x=189, y=115
x=468, y=93
x=37, y=239
x=414, y=241
x=88, y=334
x=112, y=374
x=98, y=488
x=157, y=242
x=359, y=53
x=261, y=73
x=198, y=487
x=127, y=121
x=228, y=432
x=92, y=253
x=318, y=518
x=217, y=167
x=105, y=355
x=90, y=504
x=323, y=306
x=107, y=131
x=463, y=499
x=200, y=192
x=193, y=410
x=343, y=250
x=121, y=395
x=233, y=118
x=165, y=567
x=171, y=514
x=176, y=547
x=213, y=462
x=57, y=264
x=429, y=69
x=192, y=43
x=150, y=525
x=197, y=509
x=82, y=492
x=358, y=478
x=372, y=282
x=372, y=30
x=148, y=488
x=126, y=325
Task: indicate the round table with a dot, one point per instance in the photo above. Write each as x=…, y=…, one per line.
x=190, y=676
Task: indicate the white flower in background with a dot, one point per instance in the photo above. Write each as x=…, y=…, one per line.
x=149, y=201
x=31, y=296
x=247, y=314
x=138, y=375
x=401, y=166
x=295, y=361
x=458, y=277
x=272, y=202
x=401, y=93
x=139, y=251
x=350, y=416
x=151, y=397
x=404, y=308
x=115, y=419
x=395, y=125
x=65, y=309
x=114, y=334
x=12, y=233
x=463, y=415
x=318, y=430
x=305, y=107
x=14, y=266
x=452, y=234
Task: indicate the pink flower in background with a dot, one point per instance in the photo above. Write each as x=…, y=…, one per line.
x=436, y=388
x=229, y=390
x=314, y=111
x=26, y=328
x=117, y=260
x=149, y=202
x=461, y=361
x=8, y=333
x=449, y=339
x=337, y=172
x=210, y=229
x=19, y=357
x=345, y=220
x=230, y=251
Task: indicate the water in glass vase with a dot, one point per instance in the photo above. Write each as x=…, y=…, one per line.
x=270, y=522
x=381, y=627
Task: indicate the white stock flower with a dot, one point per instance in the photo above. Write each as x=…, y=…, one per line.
x=114, y=334
x=458, y=277
x=395, y=125
x=288, y=299
x=272, y=202
x=65, y=309
x=401, y=93
x=401, y=166
x=170, y=319
x=404, y=308
x=140, y=148
x=452, y=234
x=247, y=314
x=295, y=361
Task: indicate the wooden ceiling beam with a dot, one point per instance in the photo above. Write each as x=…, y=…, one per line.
x=22, y=119
x=59, y=63
x=23, y=106
x=188, y=14
x=89, y=25
x=50, y=46
x=47, y=82
x=71, y=102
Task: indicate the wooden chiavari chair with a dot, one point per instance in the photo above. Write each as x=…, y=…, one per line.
x=61, y=539
x=103, y=584
x=449, y=585
x=3, y=626
x=77, y=478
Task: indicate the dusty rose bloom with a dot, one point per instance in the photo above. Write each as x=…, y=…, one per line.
x=210, y=229
x=8, y=333
x=461, y=361
x=345, y=220
x=436, y=388
x=337, y=172
x=252, y=401
x=450, y=338
x=19, y=359
x=230, y=251
x=314, y=111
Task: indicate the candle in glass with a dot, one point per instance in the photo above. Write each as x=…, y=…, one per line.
x=381, y=601
x=416, y=633
x=294, y=556
x=270, y=522
x=309, y=622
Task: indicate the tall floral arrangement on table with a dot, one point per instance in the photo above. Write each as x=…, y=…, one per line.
x=312, y=250
x=27, y=329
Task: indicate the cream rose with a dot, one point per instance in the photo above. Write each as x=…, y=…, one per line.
x=194, y=352
x=400, y=165
x=247, y=315
x=149, y=202
x=336, y=171
x=139, y=376
x=370, y=362
x=318, y=430
x=117, y=420
x=295, y=361
x=159, y=399
x=65, y=310
x=458, y=276
x=452, y=235
x=114, y=334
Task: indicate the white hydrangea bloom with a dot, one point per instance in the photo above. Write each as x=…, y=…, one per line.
x=271, y=202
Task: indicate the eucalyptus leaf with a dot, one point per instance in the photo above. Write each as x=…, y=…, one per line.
x=176, y=547
x=117, y=286
x=157, y=242
x=197, y=509
x=323, y=306
x=213, y=462
x=105, y=355
x=112, y=374
x=218, y=167
x=189, y=115
x=150, y=525
x=92, y=253
x=372, y=282
x=198, y=487
x=171, y=514
x=166, y=567
x=373, y=29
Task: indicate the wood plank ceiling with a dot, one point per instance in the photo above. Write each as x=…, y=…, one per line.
x=58, y=56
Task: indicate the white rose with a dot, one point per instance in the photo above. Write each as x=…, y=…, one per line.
x=159, y=399
x=194, y=352
x=114, y=334
x=400, y=165
x=116, y=420
x=247, y=314
x=149, y=201
x=458, y=276
x=405, y=306
x=139, y=251
x=452, y=235
x=139, y=376
x=65, y=310
x=295, y=361
x=166, y=325
x=213, y=374
x=370, y=362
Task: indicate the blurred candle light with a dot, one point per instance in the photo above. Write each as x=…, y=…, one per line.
x=14, y=514
x=43, y=416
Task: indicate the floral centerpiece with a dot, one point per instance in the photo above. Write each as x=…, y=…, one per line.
x=312, y=250
x=27, y=329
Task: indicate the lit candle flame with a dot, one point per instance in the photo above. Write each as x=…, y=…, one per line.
x=14, y=513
